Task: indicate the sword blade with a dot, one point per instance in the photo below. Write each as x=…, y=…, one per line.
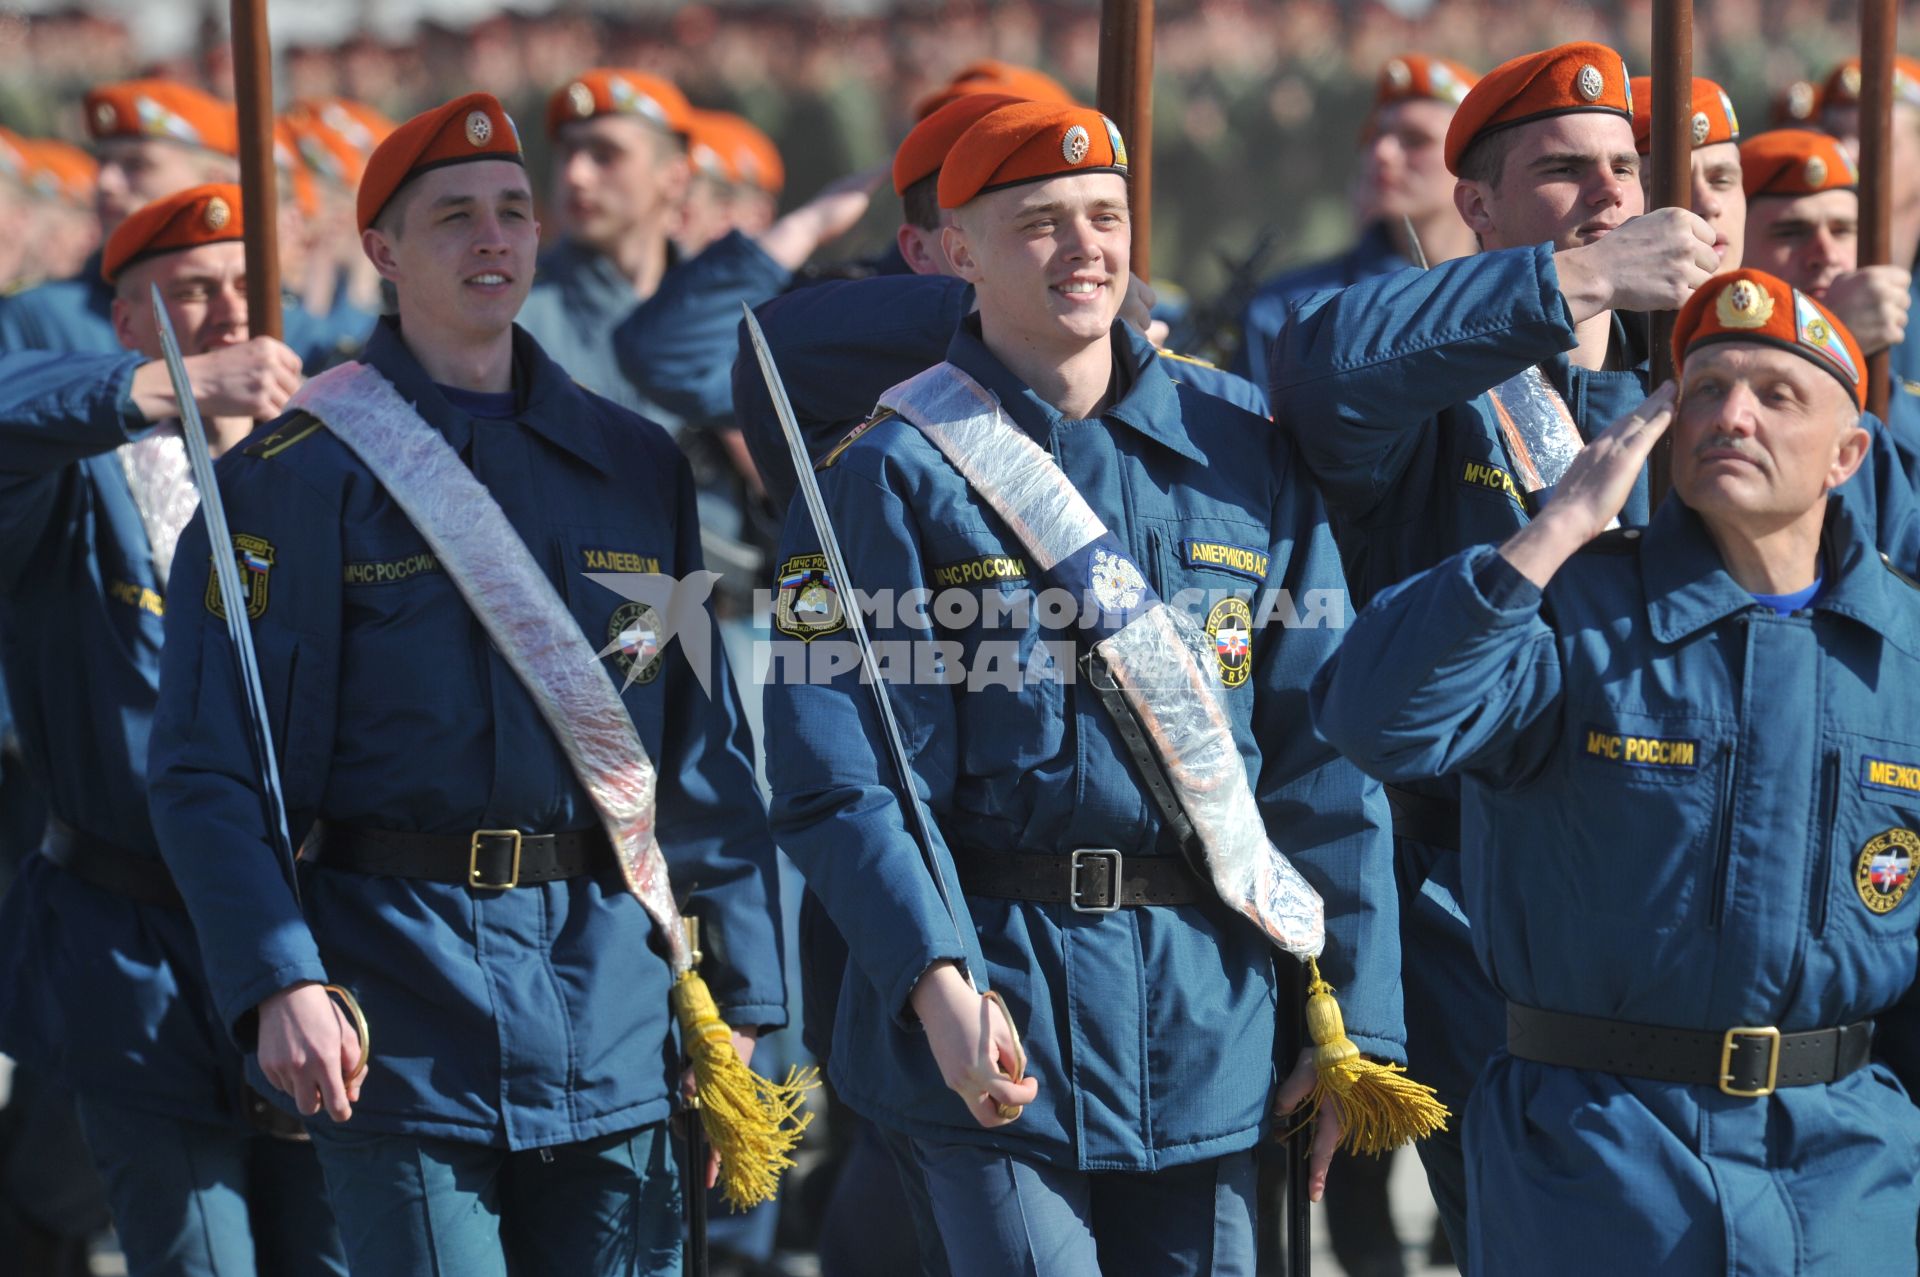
x=226, y=574
x=837, y=564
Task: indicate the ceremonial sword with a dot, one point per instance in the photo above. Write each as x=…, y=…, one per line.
x=869, y=664
x=233, y=602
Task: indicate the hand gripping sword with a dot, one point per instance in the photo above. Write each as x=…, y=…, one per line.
x=869, y=664
x=233, y=602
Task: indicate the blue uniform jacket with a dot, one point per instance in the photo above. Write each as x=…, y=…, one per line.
x=1672, y=801
x=677, y=347
x=579, y=298
x=525, y=1017
x=1903, y=402
x=1266, y=313
x=105, y=993
x=76, y=315
x=1151, y=1029
x=842, y=343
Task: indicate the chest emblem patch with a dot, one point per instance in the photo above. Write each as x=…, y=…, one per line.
x=1885, y=869
x=808, y=602
x=1117, y=584
x=633, y=640
x=255, y=558
x=1230, y=626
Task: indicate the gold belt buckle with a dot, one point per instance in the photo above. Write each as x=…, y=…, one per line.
x=473, y=860
x=1726, y=1061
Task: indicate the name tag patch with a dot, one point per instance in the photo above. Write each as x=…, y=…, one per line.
x=1237, y=559
x=136, y=596
x=980, y=571
x=600, y=559
x=388, y=571
x=1884, y=773
x=1479, y=474
x=1666, y=753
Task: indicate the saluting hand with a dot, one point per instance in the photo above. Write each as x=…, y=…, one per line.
x=1647, y=263
x=309, y=1050
x=1593, y=490
x=973, y=1044
x=1873, y=303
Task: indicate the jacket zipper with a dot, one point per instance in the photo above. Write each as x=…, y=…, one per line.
x=1823, y=863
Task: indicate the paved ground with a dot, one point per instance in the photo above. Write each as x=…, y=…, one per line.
x=1414, y=1218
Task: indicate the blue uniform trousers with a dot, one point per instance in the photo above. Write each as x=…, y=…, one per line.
x=195, y=1199
x=996, y=1213
x=412, y=1206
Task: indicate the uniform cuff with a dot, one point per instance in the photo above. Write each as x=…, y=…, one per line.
x=1502, y=586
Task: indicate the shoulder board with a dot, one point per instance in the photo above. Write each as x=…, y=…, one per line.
x=297, y=428
x=1188, y=359
x=833, y=453
x=1613, y=541
x=1898, y=573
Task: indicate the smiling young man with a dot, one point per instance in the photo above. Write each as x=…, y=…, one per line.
x=1437, y=409
x=1803, y=200
x=1711, y=723
x=459, y=878
x=101, y=983
x=1118, y=1135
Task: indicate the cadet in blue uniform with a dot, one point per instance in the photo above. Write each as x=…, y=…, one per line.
x=1718, y=193
x=1413, y=399
x=1404, y=180
x=103, y=984
x=456, y=881
x=1688, y=760
x=1147, y=1014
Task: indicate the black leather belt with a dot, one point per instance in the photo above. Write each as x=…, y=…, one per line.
x=1744, y=1062
x=1423, y=818
x=101, y=864
x=486, y=859
x=1090, y=880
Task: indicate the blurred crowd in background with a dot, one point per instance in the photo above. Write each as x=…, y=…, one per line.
x=1257, y=106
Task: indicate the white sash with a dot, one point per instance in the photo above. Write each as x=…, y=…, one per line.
x=1178, y=699
x=521, y=612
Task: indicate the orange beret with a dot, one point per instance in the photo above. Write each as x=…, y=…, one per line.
x=1843, y=83
x=615, y=91
x=60, y=170
x=1751, y=305
x=1559, y=81
x=1029, y=142
x=336, y=136
x=731, y=149
x=1713, y=118
x=991, y=76
x=1795, y=104
x=163, y=109
x=1419, y=75
x=193, y=217
x=288, y=159
x=926, y=147
x=1795, y=162
x=472, y=127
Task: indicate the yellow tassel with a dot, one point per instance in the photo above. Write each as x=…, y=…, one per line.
x=753, y=1123
x=1380, y=1107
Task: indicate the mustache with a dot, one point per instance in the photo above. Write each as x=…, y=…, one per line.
x=1726, y=443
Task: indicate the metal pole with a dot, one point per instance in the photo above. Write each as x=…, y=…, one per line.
x=1125, y=96
x=1672, y=174
x=259, y=186
x=1877, y=23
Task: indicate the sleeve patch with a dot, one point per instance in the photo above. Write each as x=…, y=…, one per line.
x=254, y=556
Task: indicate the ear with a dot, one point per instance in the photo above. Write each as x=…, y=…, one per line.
x=953, y=242
x=676, y=176
x=914, y=245
x=1854, y=443
x=379, y=250
x=123, y=323
x=1470, y=200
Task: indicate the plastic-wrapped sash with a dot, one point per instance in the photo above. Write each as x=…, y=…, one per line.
x=1148, y=646
x=1539, y=432
x=521, y=612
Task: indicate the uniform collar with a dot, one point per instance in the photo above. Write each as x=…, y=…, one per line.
x=1374, y=254
x=578, y=266
x=551, y=405
x=1688, y=587
x=1150, y=404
